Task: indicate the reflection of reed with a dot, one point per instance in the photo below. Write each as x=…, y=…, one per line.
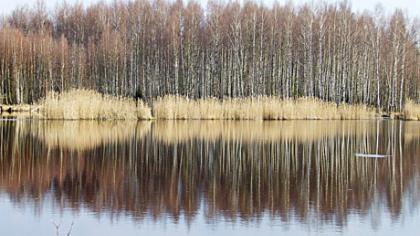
x=82, y=135
x=250, y=131
x=145, y=177
x=411, y=130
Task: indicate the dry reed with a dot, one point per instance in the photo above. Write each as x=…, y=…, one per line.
x=91, y=105
x=411, y=110
x=259, y=108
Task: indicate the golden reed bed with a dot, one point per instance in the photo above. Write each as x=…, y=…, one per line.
x=91, y=105
x=411, y=110
x=258, y=108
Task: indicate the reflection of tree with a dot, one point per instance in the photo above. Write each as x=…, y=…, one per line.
x=226, y=177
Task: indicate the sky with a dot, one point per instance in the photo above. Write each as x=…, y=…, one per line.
x=411, y=7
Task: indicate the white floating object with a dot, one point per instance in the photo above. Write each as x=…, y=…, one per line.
x=371, y=155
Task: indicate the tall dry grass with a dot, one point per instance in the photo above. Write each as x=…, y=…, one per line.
x=411, y=110
x=91, y=105
x=259, y=108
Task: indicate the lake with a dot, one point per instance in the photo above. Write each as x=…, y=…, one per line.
x=209, y=177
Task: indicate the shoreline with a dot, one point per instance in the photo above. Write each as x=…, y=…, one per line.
x=32, y=112
x=91, y=105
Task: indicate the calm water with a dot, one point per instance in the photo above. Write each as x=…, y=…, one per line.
x=209, y=178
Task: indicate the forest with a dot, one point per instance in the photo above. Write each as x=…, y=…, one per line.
x=151, y=48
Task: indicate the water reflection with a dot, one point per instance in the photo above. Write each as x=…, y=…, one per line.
x=227, y=171
x=83, y=135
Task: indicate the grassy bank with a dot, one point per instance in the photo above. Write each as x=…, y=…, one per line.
x=90, y=105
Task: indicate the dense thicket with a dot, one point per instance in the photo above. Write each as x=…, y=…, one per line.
x=153, y=48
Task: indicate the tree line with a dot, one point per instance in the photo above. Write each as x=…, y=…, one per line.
x=151, y=48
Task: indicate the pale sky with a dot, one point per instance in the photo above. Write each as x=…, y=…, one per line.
x=411, y=7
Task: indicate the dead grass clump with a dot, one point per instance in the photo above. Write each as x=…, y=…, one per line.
x=182, y=108
x=91, y=105
x=299, y=109
x=411, y=110
x=356, y=112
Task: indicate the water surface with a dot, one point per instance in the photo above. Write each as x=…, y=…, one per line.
x=209, y=177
